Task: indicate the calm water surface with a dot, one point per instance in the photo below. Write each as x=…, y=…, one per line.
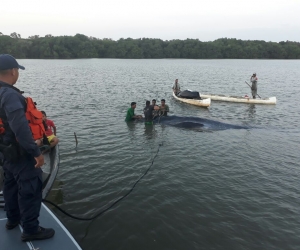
x=207, y=189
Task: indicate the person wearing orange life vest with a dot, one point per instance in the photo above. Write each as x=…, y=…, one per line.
x=22, y=161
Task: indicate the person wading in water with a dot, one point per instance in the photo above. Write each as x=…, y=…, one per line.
x=148, y=112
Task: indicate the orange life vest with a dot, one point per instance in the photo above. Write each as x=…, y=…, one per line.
x=35, y=119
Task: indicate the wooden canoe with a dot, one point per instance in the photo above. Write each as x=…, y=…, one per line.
x=200, y=102
x=241, y=99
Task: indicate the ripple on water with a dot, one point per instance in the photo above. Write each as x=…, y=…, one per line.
x=229, y=189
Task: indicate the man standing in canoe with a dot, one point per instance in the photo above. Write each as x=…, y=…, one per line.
x=176, y=87
x=254, y=80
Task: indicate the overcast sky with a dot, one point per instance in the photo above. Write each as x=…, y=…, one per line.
x=268, y=20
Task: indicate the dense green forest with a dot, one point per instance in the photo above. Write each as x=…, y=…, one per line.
x=81, y=46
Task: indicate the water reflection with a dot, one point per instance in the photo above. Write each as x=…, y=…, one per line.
x=131, y=125
x=150, y=131
x=251, y=110
x=56, y=194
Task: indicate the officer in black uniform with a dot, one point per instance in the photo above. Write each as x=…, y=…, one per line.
x=22, y=158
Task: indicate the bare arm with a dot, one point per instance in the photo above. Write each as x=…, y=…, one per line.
x=54, y=130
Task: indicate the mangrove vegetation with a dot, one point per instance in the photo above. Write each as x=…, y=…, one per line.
x=81, y=46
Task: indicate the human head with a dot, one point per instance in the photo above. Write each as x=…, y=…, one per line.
x=9, y=69
x=44, y=115
x=254, y=74
x=176, y=80
x=153, y=102
x=147, y=103
x=163, y=101
x=133, y=105
x=9, y=62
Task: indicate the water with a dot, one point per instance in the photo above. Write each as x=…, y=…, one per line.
x=207, y=189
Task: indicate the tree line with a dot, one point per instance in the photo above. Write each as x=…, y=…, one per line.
x=81, y=46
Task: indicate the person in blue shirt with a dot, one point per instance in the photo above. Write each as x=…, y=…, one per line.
x=22, y=158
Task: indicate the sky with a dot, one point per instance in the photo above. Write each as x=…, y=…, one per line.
x=268, y=20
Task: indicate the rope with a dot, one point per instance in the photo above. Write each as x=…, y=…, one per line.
x=118, y=200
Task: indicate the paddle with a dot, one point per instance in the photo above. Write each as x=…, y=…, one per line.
x=251, y=87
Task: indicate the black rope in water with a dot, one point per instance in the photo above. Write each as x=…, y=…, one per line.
x=118, y=200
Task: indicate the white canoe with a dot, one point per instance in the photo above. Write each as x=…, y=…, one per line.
x=224, y=98
x=201, y=103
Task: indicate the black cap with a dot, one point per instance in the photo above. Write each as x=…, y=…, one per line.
x=9, y=62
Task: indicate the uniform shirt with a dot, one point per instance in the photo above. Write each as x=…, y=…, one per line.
x=12, y=111
x=50, y=125
x=129, y=115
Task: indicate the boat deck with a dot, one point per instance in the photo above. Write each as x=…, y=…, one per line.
x=11, y=239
